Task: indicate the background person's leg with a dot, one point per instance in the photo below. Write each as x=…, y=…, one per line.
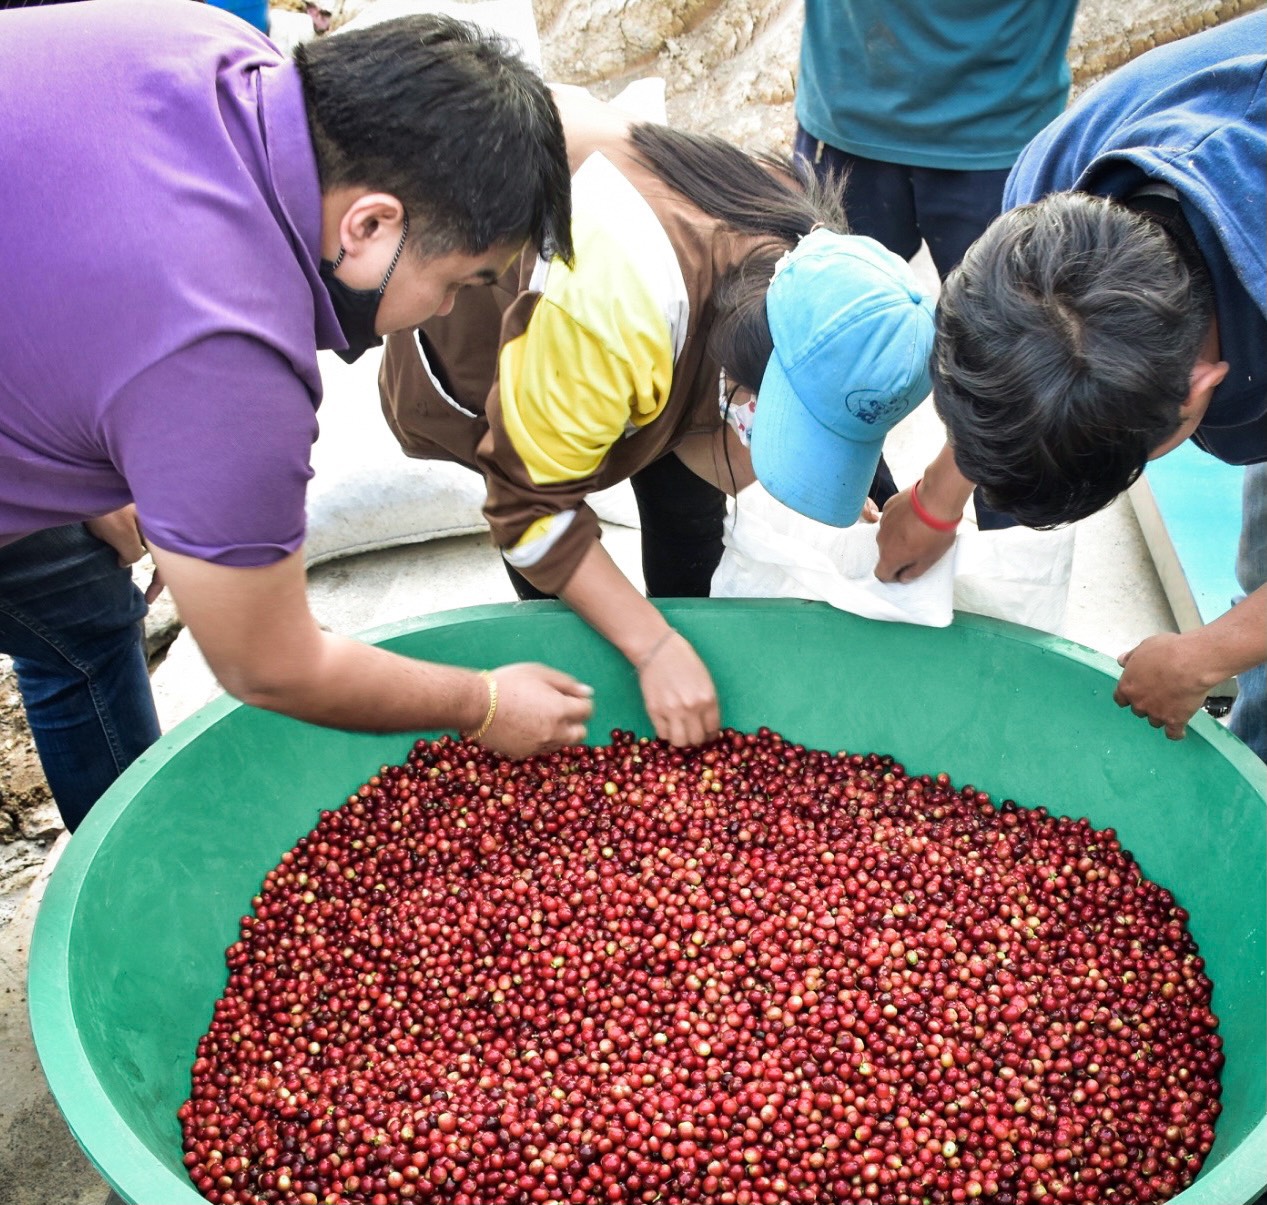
x=71, y=619
x=682, y=521
x=1249, y=712
x=952, y=209
x=883, y=487
x=879, y=201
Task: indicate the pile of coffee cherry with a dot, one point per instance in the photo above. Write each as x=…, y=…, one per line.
x=748, y=973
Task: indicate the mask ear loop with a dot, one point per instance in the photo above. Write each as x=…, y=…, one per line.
x=404, y=234
x=726, y=395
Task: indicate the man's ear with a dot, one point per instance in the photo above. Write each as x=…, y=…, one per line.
x=1207, y=376
x=370, y=219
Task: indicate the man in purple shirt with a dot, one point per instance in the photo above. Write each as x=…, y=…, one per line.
x=188, y=218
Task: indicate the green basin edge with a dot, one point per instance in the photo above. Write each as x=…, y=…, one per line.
x=745, y=642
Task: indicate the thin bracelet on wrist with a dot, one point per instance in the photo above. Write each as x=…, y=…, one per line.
x=930, y=520
x=639, y=666
x=476, y=734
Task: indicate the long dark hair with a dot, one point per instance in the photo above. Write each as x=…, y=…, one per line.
x=758, y=194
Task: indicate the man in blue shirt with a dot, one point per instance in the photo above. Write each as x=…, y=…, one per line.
x=919, y=111
x=1119, y=309
x=927, y=107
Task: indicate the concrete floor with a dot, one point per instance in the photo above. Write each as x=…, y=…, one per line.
x=1115, y=599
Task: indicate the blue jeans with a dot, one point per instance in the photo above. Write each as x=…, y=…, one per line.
x=71, y=619
x=1249, y=712
x=901, y=206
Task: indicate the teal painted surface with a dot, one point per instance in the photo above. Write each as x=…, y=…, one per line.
x=127, y=956
x=253, y=11
x=1199, y=498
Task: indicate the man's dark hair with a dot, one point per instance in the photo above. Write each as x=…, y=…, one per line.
x=752, y=194
x=450, y=121
x=1064, y=350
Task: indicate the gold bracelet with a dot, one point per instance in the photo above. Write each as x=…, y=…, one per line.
x=479, y=733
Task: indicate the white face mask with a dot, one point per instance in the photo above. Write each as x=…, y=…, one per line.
x=737, y=406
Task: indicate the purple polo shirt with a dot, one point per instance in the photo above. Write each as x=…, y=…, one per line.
x=160, y=304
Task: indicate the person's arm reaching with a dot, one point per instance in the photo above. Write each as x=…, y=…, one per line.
x=265, y=648
x=909, y=546
x=1165, y=678
x=677, y=689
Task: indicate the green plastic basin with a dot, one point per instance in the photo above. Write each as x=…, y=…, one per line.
x=127, y=955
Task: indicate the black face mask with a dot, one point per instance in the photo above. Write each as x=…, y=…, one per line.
x=357, y=309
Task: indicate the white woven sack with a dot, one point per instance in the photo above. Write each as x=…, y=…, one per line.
x=773, y=552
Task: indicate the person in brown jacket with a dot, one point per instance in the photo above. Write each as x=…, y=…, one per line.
x=717, y=325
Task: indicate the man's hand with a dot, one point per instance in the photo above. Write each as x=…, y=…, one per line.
x=122, y=532
x=1165, y=678
x=678, y=692
x=538, y=710
x=908, y=547
x=1164, y=682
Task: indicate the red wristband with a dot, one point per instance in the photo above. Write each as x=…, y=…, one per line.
x=945, y=525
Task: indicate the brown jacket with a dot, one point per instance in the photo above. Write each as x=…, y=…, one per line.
x=462, y=351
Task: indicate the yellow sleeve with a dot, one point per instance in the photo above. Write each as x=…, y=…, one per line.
x=595, y=360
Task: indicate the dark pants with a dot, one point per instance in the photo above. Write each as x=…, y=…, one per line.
x=71, y=619
x=901, y=206
x=682, y=517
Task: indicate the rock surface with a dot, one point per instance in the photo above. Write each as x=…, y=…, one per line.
x=730, y=65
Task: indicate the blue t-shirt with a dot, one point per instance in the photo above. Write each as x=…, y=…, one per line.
x=1192, y=115
x=161, y=305
x=955, y=84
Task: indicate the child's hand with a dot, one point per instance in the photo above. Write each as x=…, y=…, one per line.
x=678, y=693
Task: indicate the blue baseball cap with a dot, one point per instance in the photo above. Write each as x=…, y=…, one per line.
x=852, y=335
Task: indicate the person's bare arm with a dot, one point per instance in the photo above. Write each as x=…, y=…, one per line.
x=1165, y=678
x=588, y=123
x=908, y=546
x=264, y=646
x=677, y=688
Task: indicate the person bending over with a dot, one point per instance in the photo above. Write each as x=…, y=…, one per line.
x=1117, y=309
x=709, y=285
x=189, y=216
